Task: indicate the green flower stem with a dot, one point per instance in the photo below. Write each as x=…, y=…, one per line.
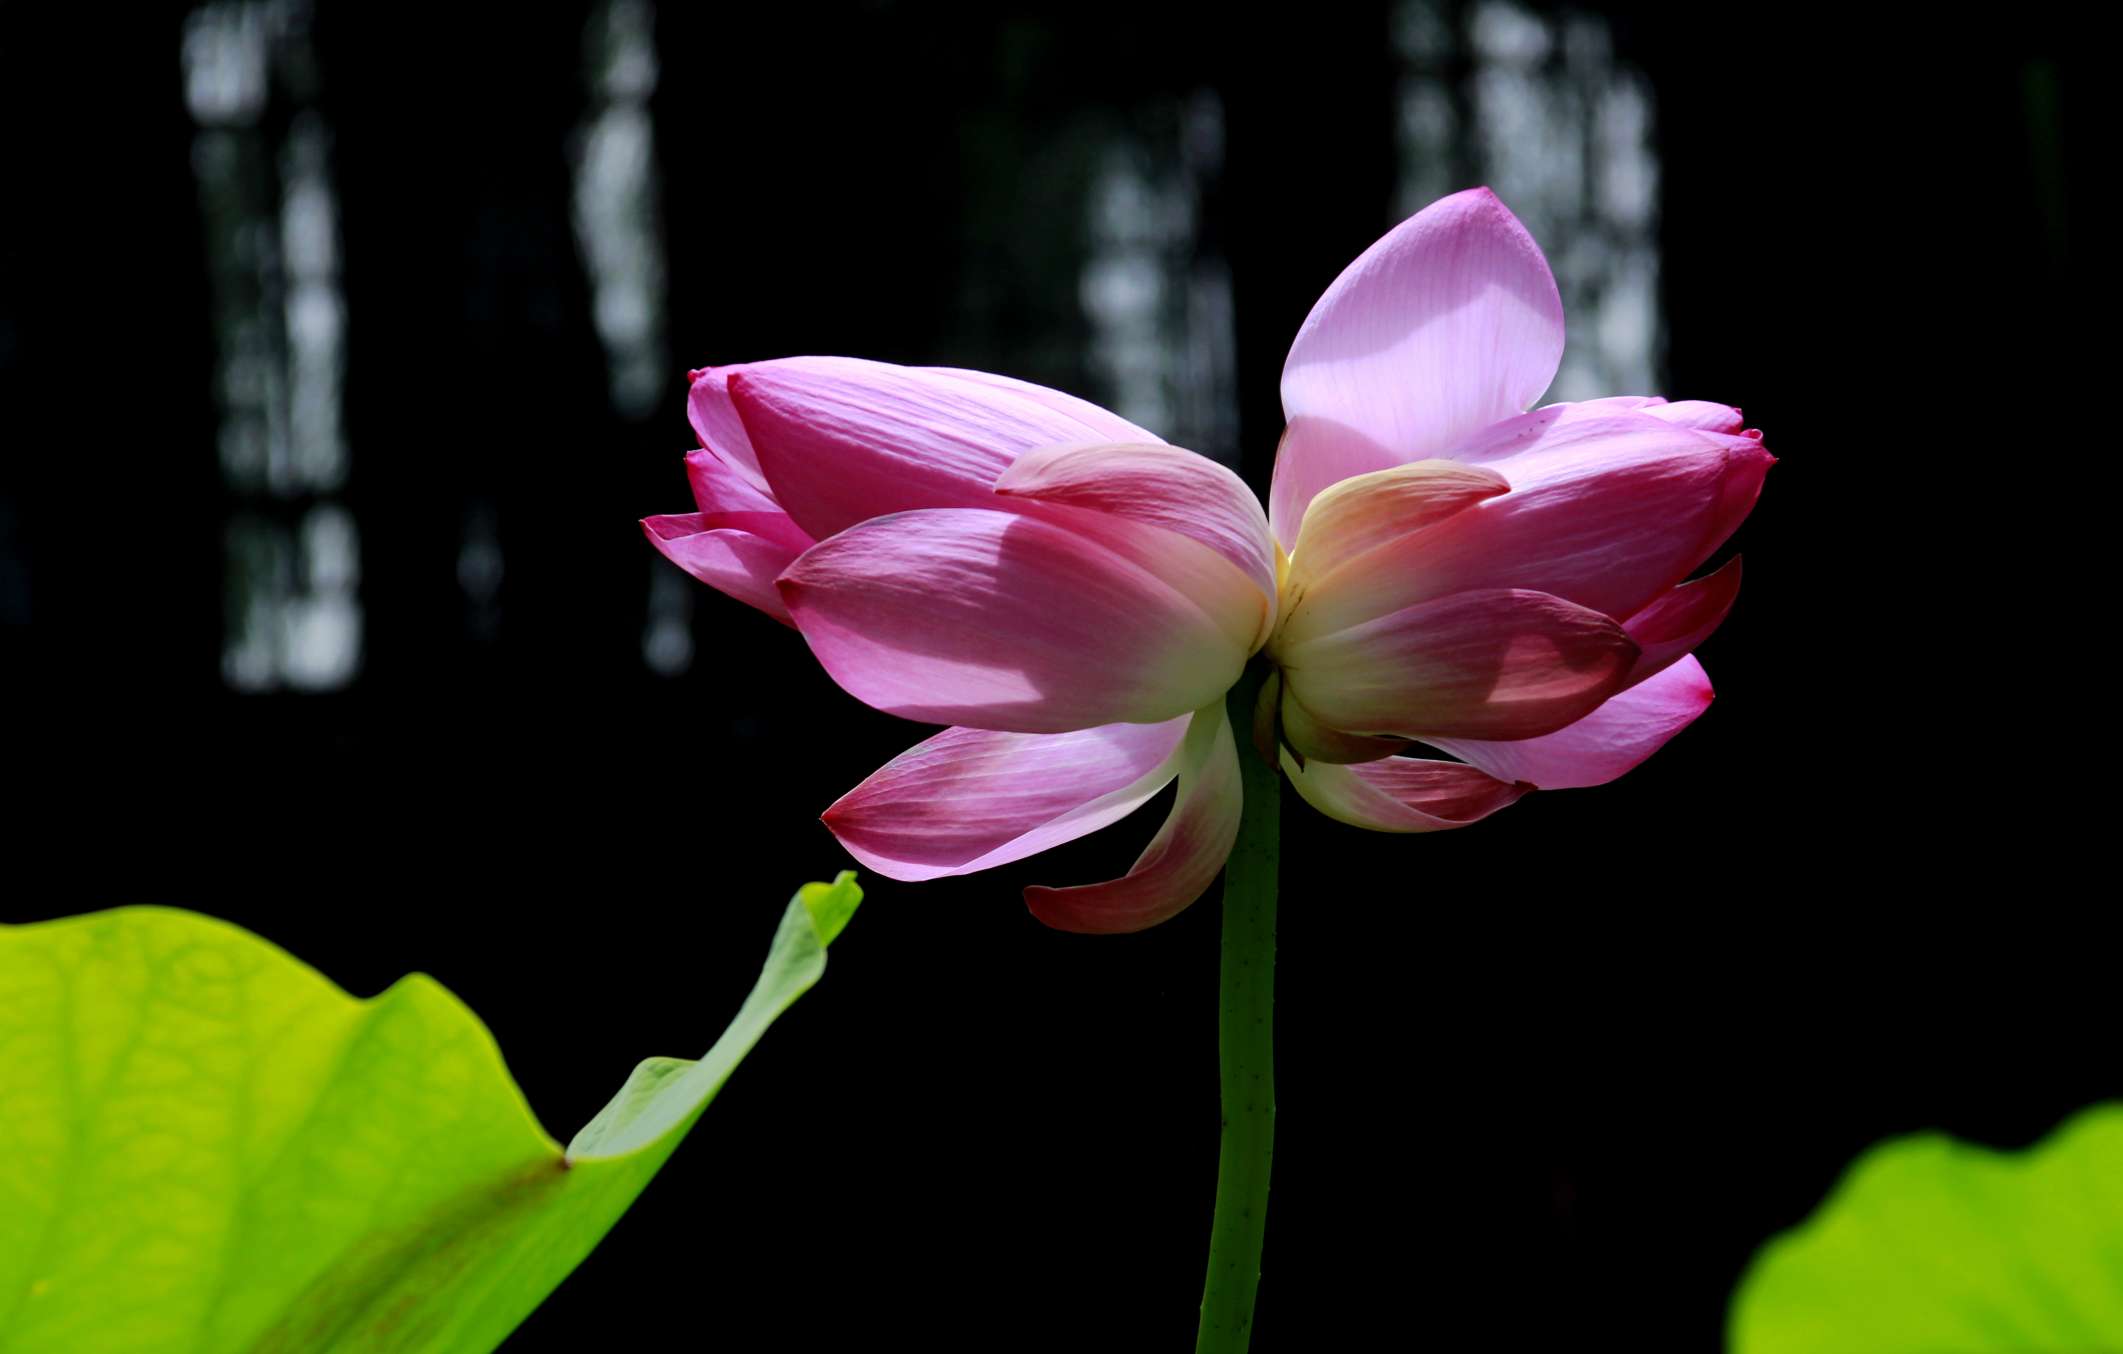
x=1245, y=1046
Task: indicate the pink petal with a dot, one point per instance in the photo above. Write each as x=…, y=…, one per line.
x=1370, y=510
x=969, y=799
x=1003, y=621
x=1528, y=449
x=715, y=422
x=1605, y=743
x=1312, y=740
x=1159, y=486
x=1104, y=425
x=734, y=562
x=1678, y=622
x=727, y=499
x=842, y=440
x=1701, y=415
x=1444, y=326
x=1607, y=512
x=1497, y=663
x=1181, y=861
x=1401, y=794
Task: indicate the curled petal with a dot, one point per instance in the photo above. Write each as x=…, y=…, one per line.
x=997, y=620
x=1313, y=740
x=1401, y=794
x=727, y=499
x=971, y=799
x=1604, y=744
x=1606, y=512
x=731, y=561
x=1495, y=663
x=1181, y=861
x=841, y=440
x=715, y=422
x=1678, y=622
x=1159, y=486
x=1447, y=324
x=1359, y=514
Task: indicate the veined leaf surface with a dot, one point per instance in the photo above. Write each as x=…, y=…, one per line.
x=206, y=1147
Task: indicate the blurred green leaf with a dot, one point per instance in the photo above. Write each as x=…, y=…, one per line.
x=206, y=1146
x=1936, y=1246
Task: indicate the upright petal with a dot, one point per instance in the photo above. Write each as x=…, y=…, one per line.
x=1498, y=663
x=971, y=799
x=999, y=620
x=734, y=562
x=1156, y=485
x=1449, y=323
x=840, y=441
x=1401, y=794
x=1182, y=859
x=1611, y=740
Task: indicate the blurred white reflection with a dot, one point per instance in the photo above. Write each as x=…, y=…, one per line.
x=261, y=158
x=617, y=221
x=1548, y=117
x=480, y=567
x=667, y=638
x=1159, y=308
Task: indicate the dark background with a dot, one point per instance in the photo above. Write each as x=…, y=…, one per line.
x=1552, y=1078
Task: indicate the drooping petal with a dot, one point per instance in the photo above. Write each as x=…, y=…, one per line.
x=841, y=440
x=1367, y=511
x=1156, y=485
x=1604, y=744
x=970, y=799
x=1495, y=663
x=1401, y=794
x=1606, y=512
x=731, y=561
x=1679, y=621
x=999, y=620
x=1182, y=859
x=1449, y=323
x=727, y=499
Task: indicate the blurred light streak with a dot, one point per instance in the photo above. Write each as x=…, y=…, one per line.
x=1535, y=104
x=261, y=159
x=1159, y=306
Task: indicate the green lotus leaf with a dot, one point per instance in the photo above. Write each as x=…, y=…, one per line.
x=206, y=1146
x=1937, y=1246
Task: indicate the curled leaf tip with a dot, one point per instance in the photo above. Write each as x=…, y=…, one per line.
x=830, y=905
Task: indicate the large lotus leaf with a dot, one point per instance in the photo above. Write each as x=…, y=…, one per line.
x=205, y=1146
x=1932, y=1246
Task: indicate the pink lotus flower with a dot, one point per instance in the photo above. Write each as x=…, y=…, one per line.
x=1075, y=597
